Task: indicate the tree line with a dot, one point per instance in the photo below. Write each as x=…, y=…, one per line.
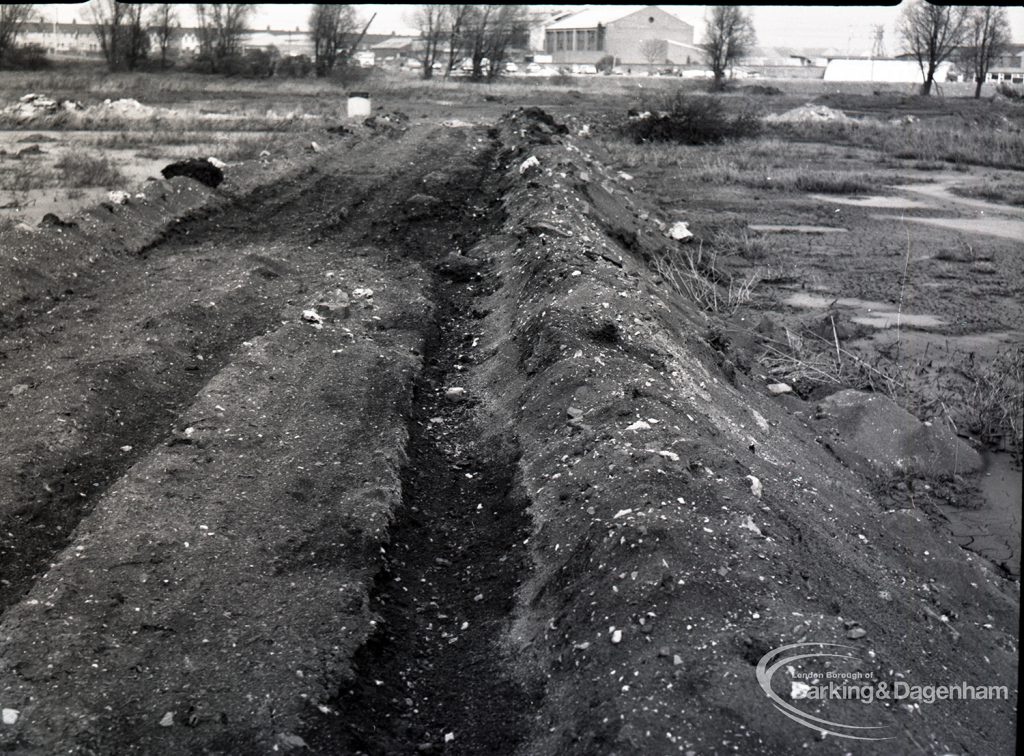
x=973, y=37
x=132, y=34
x=129, y=34
x=479, y=34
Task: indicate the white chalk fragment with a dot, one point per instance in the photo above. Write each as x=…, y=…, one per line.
x=750, y=525
x=679, y=231
x=530, y=162
x=755, y=486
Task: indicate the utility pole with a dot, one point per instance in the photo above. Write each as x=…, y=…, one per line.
x=878, y=49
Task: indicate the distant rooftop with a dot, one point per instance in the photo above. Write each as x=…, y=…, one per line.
x=591, y=17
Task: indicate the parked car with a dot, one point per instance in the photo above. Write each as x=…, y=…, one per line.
x=364, y=59
x=511, y=67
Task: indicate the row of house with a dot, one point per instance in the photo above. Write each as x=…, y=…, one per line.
x=74, y=38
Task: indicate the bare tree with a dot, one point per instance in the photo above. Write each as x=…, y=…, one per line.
x=162, y=19
x=432, y=21
x=108, y=18
x=728, y=36
x=654, y=51
x=988, y=37
x=221, y=27
x=457, y=16
x=121, y=33
x=931, y=33
x=510, y=29
x=329, y=26
x=490, y=30
x=136, y=40
x=12, y=17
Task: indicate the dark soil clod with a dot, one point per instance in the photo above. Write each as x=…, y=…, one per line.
x=200, y=169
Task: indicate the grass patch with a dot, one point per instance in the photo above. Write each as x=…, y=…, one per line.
x=1005, y=192
x=757, y=163
x=982, y=397
x=1001, y=147
x=768, y=164
x=18, y=176
x=693, y=274
x=81, y=170
x=991, y=404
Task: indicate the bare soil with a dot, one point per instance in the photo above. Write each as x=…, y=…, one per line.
x=493, y=495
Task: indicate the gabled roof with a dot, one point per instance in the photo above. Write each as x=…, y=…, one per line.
x=684, y=46
x=591, y=17
x=394, y=43
x=48, y=27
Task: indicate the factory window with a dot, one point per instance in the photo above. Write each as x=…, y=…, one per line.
x=581, y=40
x=592, y=39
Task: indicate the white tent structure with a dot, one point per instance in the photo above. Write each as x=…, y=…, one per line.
x=886, y=71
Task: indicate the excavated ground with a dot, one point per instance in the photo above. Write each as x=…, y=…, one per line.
x=497, y=501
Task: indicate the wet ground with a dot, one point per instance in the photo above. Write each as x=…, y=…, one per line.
x=33, y=187
x=936, y=287
x=993, y=529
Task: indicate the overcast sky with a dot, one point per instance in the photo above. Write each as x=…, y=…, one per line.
x=847, y=28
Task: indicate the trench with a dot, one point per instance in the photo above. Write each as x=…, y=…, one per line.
x=435, y=676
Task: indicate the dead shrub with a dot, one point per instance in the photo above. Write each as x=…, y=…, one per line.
x=694, y=274
x=690, y=119
x=78, y=170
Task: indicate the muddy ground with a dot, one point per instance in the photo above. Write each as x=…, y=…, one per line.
x=410, y=451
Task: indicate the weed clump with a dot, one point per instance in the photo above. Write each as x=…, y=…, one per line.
x=688, y=119
x=77, y=170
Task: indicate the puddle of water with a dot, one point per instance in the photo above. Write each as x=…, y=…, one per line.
x=924, y=345
x=135, y=164
x=883, y=320
x=1004, y=228
x=769, y=229
x=876, y=314
x=891, y=203
x=31, y=205
x=993, y=530
x=940, y=190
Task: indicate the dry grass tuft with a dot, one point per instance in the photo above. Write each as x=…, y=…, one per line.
x=694, y=275
x=80, y=170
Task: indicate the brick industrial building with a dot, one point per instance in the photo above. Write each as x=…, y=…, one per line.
x=632, y=35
